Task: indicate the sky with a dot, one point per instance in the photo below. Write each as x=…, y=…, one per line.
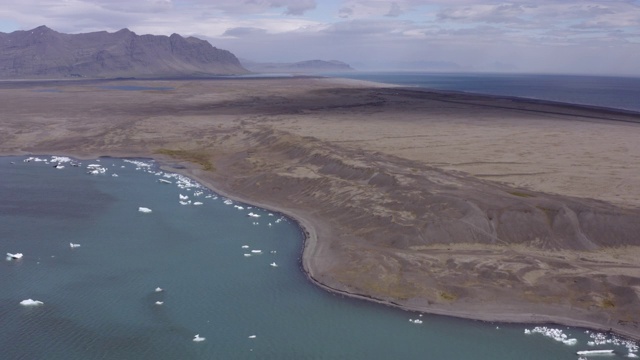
x=544, y=36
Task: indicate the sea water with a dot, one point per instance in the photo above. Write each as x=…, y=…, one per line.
x=100, y=299
x=600, y=91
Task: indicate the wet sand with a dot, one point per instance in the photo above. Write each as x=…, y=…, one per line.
x=472, y=206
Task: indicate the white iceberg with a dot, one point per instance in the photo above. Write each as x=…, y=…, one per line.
x=159, y=302
x=198, y=338
x=256, y=251
x=197, y=203
x=72, y=245
x=251, y=214
x=144, y=210
x=14, y=256
x=252, y=336
x=273, y=264
x=159, y=289
x=31, y=302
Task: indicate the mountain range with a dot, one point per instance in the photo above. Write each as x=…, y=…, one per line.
x=43, y=53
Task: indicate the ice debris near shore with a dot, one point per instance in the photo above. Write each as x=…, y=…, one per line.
x=555, y=334
x=415, y=321
x=598, y=339
x=31, y=302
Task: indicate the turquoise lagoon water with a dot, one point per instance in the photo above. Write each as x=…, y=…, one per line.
x=99, y=299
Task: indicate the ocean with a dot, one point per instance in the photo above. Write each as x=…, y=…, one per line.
x=132, y=262
x=622, y=93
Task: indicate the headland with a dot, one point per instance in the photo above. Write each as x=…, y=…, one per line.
x=474, y=206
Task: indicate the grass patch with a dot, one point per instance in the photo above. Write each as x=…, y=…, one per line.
x=521, y=194
x=197, y=157
x=608, y=304
x=447, y=296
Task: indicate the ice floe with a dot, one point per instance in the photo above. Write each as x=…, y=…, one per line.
x=159, y=289
x=245, y=246
x=144, y=210
x=15, y=256
x=415, y=321
x=256, y=251
x=251, y=214
x=197, y=203
x=159, y=302
x=555, y=334
x=198, y=338
x=273, y=264
x=31, y=302
x=72, y=245
x=252, y=336
x=183, y=197
x=163, y=181
x=598, y=339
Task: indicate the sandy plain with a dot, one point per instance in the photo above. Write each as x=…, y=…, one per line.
x=474, y=206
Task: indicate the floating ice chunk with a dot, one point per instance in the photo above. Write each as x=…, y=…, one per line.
x=228, y=202
x=58, y=166
x=273, y=251
x=253, y=215
x=198, y=193
x=415, y=321
x=197, y=203
x=163, y=181
x=144, y=210
x=198, y=338
x=238, y=207
x=31, y=302
x=72, y=245
x=570, y=341
x=183, y=197
x=247, y=255
x=14, y=256
x=595, y=352
x=270, y=214
x=527, y=331
x=159, y=289
x=256, y=251
x=252, y=336
x=245, y=246
x=273, y=264
x=182, y=202
x=159, y=302
x=114, y=175
x=269, y=224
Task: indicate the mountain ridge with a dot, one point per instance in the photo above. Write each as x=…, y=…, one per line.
x=45, y=53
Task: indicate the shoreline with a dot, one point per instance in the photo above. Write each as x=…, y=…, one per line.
x=470, y=206
x=310, y=241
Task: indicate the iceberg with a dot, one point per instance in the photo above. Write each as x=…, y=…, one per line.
x=72, y=245
x=31, y=302
x=14, y=256
x=144, y=210
x=198, y=338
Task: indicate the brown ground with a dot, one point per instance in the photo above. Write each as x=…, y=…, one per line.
x=480, y=207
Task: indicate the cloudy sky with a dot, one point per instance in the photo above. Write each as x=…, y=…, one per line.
x=559, y=36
